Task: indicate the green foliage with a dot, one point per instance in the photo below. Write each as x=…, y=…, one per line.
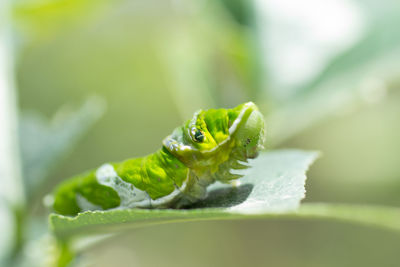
x=371, y=215
x=274, y=185
x=175, y=57
x=271, y=189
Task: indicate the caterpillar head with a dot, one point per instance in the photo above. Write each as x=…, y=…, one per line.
x=216, y=139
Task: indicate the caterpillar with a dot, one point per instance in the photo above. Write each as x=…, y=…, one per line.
x=206, y=149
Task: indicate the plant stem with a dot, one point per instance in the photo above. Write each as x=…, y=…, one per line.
x=65, y=256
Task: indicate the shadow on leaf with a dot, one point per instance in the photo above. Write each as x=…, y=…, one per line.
x=224, y=197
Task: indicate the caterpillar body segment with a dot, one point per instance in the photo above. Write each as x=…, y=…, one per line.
x=204, y=150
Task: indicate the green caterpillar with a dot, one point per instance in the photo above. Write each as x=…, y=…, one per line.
x=204, y=150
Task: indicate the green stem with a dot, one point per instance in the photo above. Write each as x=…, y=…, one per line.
x=65, y=256
x=19, y=232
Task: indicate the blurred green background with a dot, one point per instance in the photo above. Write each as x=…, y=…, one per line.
x=326, y=75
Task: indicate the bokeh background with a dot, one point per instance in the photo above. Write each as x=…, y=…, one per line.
x=326, y=75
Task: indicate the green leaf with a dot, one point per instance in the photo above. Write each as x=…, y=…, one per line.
x=44, y=143
x=272, y=189
x=372, y=215
x=274, y=185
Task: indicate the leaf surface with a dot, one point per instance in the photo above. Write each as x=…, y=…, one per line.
x=273, y=185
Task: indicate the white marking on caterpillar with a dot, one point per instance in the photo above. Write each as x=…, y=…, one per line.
x=85, y=204
x=165, y=199
x=162, y=201
x=129, y=195
x=235, y=124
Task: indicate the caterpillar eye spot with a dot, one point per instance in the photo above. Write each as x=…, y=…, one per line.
x=248, y=140
x=198, y=136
